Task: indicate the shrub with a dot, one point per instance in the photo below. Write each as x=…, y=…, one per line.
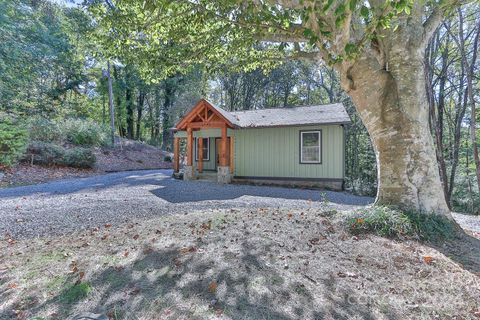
x=75, y=131
x=393, y=223
x=13, y=141
x=79, y=158
x=167, y=159
x=45, y=153
x=44, y=130
x=85, y=133
x=381, y=221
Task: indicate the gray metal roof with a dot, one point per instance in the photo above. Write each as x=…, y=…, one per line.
x=321, y=114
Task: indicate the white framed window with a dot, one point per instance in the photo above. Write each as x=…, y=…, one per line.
x=311, y=146
x=205, y=151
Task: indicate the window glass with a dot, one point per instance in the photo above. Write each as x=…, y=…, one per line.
x=206, y=149
x=310, y=147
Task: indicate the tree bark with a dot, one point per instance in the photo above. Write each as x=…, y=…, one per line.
x=392, y=103
x=141, y=101
x=169, y=92
x=110, y=104
x=129, y=104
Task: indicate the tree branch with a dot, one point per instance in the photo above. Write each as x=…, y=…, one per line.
x=438, y=14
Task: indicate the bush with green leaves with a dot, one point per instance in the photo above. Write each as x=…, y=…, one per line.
x=74, y=131
x=46, y=130
x=13, y=141
x=79, y=158
x=50, y=154
x=84, y=133
x=393, y=223
x=45, y=153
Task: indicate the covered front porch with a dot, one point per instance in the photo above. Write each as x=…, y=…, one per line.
x=204, y=140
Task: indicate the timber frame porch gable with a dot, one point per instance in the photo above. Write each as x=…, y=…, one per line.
x=204, y=115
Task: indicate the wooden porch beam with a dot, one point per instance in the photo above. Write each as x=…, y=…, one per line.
x=189, y=146
x=200, y=125
x=176, y=154
x=223, y=148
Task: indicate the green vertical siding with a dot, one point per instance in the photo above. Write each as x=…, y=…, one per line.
x=275, y=152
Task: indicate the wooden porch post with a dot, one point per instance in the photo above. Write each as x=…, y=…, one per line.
x=176, y=154
x=189, y=147
x=223, y=151
x=200, y=154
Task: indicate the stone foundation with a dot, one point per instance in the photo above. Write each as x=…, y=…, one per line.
x=188, y=173
x=223, y=175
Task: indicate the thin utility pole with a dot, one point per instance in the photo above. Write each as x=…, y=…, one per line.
x=110, y=102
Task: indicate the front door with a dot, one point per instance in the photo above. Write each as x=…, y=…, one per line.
x=217, y=151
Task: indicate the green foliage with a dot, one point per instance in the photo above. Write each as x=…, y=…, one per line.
x=13, y=141
x=45, y=153
x=75, y=131
x=79, y=158
x=42, y=62
x=167, y=159
x=84, y=132
x=393, y=223
x=432, y=226
x=42, y=129
x=381, y=221
x=75, y=293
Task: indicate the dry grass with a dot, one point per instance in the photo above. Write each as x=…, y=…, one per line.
x=262, y=264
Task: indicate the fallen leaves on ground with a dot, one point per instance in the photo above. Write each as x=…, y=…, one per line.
x=212, y=287
x=428, y=259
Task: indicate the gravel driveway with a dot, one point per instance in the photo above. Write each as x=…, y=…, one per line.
x=63, y=206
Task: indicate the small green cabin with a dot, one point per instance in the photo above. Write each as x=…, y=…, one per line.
x=302, y=146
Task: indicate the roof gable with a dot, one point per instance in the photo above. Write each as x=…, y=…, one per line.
x=204, y=114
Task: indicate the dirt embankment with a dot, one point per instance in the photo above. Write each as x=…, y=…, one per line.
x=126, y=155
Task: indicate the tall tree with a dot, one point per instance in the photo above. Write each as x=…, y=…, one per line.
x=377, y=47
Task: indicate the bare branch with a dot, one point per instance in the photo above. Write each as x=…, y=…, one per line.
x=289, y=4
x=293, y=34
x=438, y=14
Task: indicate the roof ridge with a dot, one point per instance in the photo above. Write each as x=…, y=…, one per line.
x=285, y=108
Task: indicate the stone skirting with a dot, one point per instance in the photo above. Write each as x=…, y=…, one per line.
x=224, y=175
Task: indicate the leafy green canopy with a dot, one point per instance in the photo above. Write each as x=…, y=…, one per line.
x=167, y=37
x=42, y=56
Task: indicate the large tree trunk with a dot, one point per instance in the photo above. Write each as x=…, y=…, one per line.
x=392, y=103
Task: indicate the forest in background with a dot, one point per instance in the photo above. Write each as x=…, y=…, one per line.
x=53, y=61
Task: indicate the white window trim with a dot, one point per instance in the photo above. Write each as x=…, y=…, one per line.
x=208, y=149
x=319, y=132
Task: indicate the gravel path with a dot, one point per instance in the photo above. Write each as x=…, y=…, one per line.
x=63, y=206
